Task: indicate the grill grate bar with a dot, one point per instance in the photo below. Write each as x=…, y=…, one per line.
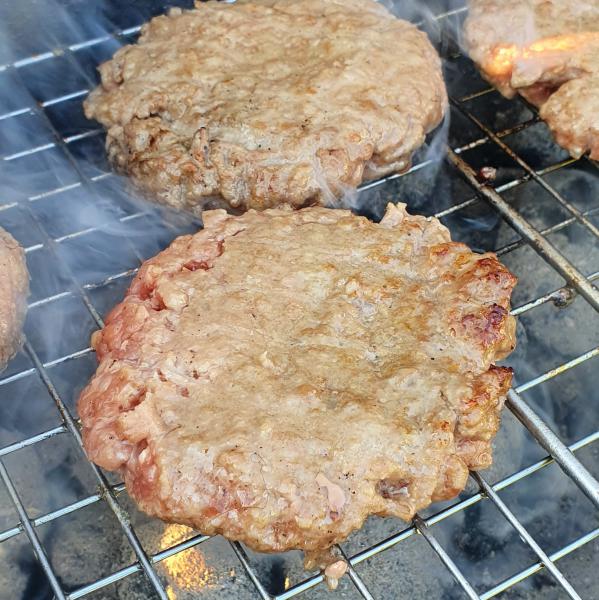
x=476, y=95
x=522, y=575
x=108, y=494
x=550, y=442
x=32, y=440
x=500, y=134
x=81, y=136
x=105, y=581
x=29, y=151
x=548, y=230
x=560, y=297
x=422, y=528
x=180, y=547
x=50, y=243
x=542, y=246
x=531, y=172
x=356, y=579
x=5, y=535
x=51, y=516
x=540, y=464
x=62, y=359
x=523, y=532
x=60, y=50
x=52, y=192
x=76, y=234
x=69, y=422
x=17, y=376
x=136, y=567
x=14, y=113
x=30, y=531
x=59, y=99
x=300, y=588
x=557, y=370
x=245, y=563
x=384, y=545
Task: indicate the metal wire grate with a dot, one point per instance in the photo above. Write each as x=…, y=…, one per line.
x=64, y=139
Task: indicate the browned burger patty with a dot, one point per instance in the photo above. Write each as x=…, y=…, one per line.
x=265, y=102
x=279, y=376
x=14, y=288
x=548, y=51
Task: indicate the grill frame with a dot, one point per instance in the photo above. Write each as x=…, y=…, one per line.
x=576, y=283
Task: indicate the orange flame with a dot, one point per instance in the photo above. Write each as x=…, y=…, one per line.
x=502, y=61
x=503, y=57
x=188, y=570
x=559, y=43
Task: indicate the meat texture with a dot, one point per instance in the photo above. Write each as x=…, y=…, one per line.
x=14, y=289
x=265, y=102
x=548, y=51
x=279, y=376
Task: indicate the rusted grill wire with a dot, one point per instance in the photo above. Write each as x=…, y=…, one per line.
x=576, y=283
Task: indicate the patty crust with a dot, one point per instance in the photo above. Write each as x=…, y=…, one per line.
x=267, y=102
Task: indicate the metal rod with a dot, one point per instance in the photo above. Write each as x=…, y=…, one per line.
x=245, y=563
x=522, y=531
x=542, y=246
x=32, y=440
x=545, y=232
x=445, y=558
x=109, y=496
x=136, y=568
x=387, y=543
x=104, y=581
x=555, y=556
x=556, y=448
x=356, y=579
x=544, y=462
x=30, y=532
x=300, y=588
x=579, y=216
x=557, y=370
x=51, y=516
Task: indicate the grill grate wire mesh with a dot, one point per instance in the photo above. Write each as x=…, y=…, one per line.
x=576, y=283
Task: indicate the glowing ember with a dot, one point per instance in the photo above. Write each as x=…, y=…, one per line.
x=188, y=570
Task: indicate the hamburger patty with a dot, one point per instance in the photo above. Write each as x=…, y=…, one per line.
x=279, y=376
x=548, y=51
x=14, y=289
x=265, y=102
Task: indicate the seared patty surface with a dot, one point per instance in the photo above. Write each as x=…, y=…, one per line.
x=548, y=51
x=264, y=102
x=279, y=376
x=14, y=289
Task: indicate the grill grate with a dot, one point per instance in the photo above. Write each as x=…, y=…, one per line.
x=67, y=144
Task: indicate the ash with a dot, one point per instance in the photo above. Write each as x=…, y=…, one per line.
x=86, y=233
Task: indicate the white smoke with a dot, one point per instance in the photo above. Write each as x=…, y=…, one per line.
x=87, y=231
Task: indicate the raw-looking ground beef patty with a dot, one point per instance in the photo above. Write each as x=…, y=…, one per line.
x=14, y=289
x=265, y=102
x=548, y=51
x=279, y=376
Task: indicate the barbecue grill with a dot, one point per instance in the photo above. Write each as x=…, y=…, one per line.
x=526, y=528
